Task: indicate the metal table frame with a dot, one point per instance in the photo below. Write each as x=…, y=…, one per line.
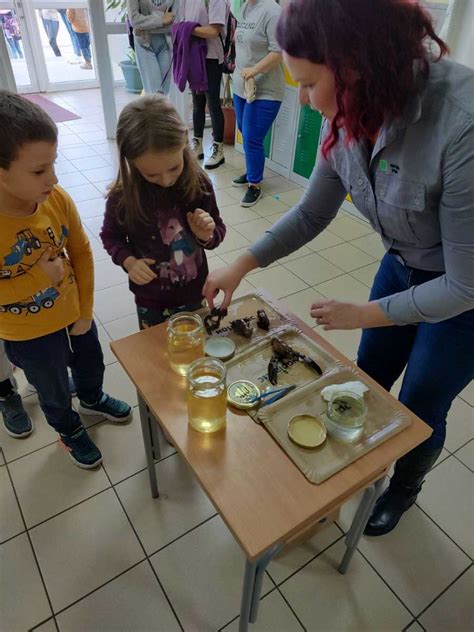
x=255, y=569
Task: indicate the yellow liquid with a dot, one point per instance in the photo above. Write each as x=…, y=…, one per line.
x=183, y=350
x=207, y=406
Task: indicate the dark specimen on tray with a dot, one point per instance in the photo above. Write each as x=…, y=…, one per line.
x=213, y=320
x=262, y=320
x=242, y=327
x=273, y=370
x=285, y=352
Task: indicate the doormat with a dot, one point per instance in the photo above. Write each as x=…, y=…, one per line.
x=56, y=112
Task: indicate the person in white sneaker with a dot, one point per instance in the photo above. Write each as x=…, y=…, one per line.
x=212, y=15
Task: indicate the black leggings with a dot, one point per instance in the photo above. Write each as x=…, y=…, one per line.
x=213, y=98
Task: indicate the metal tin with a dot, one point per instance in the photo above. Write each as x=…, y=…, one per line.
x=307, y=431
x=240, y=392
x=222, y=348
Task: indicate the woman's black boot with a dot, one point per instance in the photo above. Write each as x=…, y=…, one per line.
x=404, y=487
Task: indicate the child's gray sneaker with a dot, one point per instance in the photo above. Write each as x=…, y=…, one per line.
x=15, y=418
x=82, y=449
x=108, y=407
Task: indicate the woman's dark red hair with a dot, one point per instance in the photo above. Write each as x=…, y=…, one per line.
x=370, y=46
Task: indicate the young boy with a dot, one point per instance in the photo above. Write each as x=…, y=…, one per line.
x=47, y=284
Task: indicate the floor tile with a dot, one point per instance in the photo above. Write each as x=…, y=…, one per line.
x=107, y=274
x=291, y=561
x=98, y=251
x=82, y=192
x=324, y=240
x=347, y=257
x=466, y=455
x=93, y=161
x=274, y=615
x=349, y=228
x=455, y=514
x=133, y=601
x=72, y=179
x=48, y=626
x=83, y=128
x=468, y=393
x=182, y=504
x=105, y=341
x=103, y=186
x=48, y=482
x=20, y=576
x=414, y=627
x=230, y=257
x=204, y=589
x=42, y=434
x=460, y=427
x=356, y=601
x=454, y=610
x=277, y=281
x=118, y=384
x=254, y=229
x=69, y=141
x=11, y=523
x=106, y=149
x=232, y=241
x=94, y=224
x=313, y=269
x=297, y=254
x=122, y=327
x=371, y=244
x=101, y=173
x=79, y=153
x=235, y=214
x=93, y=138
x=270, y=205
x=77, y=550
x=91, y=208
x=344, y=288
x=291, y=197
x=277, y=185
x=223, y=198
x=417, y=560
x=214, y=263
x=114, y=302
x=61, y=168
x=366, y=274
x=244, y=288
x=300, y=303
x=345, y=341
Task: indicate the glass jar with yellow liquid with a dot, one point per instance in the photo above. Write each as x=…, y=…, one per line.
x=207, y=395
x=185, y=340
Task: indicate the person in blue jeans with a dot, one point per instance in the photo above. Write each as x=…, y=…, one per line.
x=399, y=136
x=72, y=35
x=151, y=21
x=259, y=88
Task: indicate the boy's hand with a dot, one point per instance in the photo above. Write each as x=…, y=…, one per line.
x=80, y=327
x=52, y=265
x=139, y=270
x=201, y=224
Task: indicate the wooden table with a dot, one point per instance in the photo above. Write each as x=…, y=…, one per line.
x=259, y=493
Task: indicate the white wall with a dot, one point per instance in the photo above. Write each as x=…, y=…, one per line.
x=459, y=33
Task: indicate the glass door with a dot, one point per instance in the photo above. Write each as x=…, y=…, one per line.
x=15, y=31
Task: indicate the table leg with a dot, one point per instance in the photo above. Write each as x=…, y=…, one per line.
x=148, y=443
x=359, y=522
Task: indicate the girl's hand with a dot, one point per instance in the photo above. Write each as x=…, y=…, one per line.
x=168, y=18
x=139, y=270
x=201, y=224
x=337, y=315
x=248, y=73
x=80, y=327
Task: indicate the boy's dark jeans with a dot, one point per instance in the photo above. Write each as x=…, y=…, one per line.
x=45, y=362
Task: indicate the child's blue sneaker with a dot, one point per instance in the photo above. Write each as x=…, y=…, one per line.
x=108, y=407
x=15, y=418
x=82, y=449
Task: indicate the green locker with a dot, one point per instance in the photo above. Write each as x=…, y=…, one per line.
x=309, y=127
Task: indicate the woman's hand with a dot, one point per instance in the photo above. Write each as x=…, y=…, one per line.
x=201, y=224
x=139, y=270
x=333, y=314
x=80, y=327
x=168, y=18
x=248, y=73
x=228, y=279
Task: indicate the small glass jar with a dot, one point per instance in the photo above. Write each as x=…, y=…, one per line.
x=346, y=416
x=185, y=340
x=207, y=395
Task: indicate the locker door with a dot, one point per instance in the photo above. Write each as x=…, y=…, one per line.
x=309, y=127
x=284, y=125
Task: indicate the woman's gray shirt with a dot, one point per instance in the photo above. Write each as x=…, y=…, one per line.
x=416, y=190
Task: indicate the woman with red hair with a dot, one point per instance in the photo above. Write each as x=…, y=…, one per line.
x=399, y=137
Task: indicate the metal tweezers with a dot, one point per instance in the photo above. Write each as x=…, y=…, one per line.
x=276, y=394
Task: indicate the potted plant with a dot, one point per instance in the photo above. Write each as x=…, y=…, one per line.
x=129, y=67
x=228, y=111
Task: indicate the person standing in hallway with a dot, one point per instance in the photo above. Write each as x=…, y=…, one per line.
x=50, y=18
x=399, y=136
x=212, y=16
x=12, y=34
x=80, y=25
x=151, y=21
x=76, y=58
x=258, y=66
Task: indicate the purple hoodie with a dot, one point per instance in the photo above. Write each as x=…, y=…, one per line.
x=189, y=57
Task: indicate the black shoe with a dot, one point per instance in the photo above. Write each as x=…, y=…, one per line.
x=16, y=420
x=252, y=196
x=241, y=181
x=403, y=490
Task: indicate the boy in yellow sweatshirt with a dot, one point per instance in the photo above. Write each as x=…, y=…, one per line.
x=47, y=285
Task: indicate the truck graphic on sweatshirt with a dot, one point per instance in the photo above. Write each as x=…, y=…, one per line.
x=41, y=300
x=25, y=243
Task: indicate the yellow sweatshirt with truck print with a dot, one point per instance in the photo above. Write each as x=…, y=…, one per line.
x=30, y=306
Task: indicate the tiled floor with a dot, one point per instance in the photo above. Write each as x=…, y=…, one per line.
x=92, y=552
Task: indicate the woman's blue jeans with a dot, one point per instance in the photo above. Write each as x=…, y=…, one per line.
x=254, y=120
x=154, y=64
x=439, y=357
